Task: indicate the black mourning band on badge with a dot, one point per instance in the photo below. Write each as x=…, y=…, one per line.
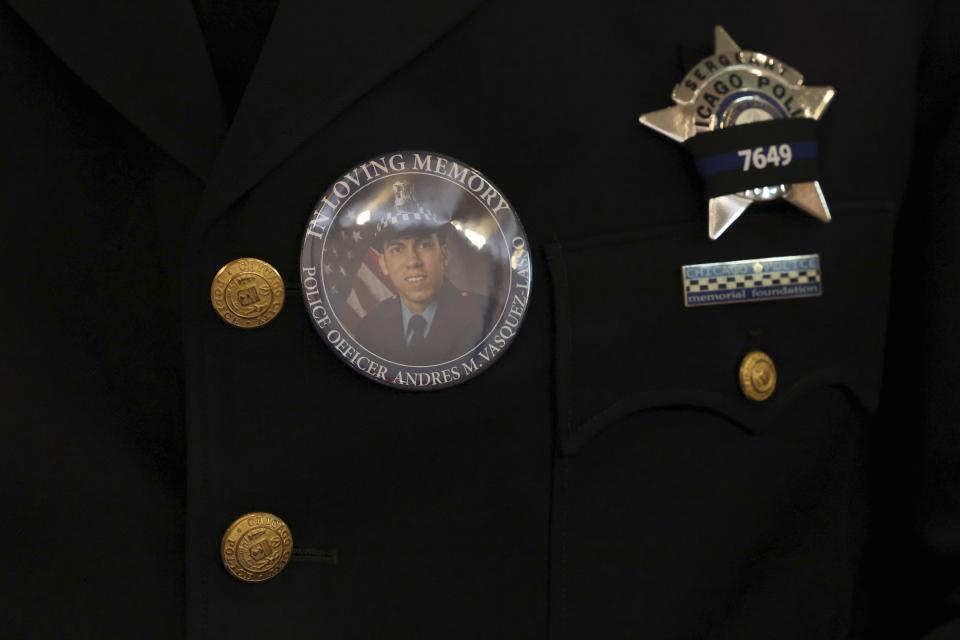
x=756, y=155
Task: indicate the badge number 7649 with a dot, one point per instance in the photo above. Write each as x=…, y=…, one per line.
x=759, y=158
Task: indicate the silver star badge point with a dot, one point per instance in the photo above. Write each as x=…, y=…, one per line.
x=687, y=118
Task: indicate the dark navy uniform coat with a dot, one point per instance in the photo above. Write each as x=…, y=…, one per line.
x=460, y=322
x=605, y=478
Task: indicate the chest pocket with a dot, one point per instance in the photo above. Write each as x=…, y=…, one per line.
x=625, y=342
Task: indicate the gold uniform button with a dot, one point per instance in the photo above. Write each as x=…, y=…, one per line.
x=256, y=547
x=758, y=376
x=247, y=293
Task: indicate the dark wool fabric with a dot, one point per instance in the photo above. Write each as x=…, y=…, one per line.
x=605, y=478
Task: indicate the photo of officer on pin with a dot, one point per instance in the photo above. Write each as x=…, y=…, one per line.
x=415, y=270
x=427, y=320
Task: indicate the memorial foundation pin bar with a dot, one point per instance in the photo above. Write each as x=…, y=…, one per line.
x=758, y=280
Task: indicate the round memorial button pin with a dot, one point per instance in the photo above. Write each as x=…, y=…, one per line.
x=247, y=293
x=256, y=547
x=415, y=270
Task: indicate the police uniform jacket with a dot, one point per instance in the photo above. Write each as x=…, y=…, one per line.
x=458, y=324
x=605, y=478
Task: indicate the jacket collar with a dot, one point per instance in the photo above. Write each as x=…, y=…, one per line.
x=148, y=59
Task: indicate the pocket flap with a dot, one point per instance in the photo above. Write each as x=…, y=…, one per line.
x=625, y=342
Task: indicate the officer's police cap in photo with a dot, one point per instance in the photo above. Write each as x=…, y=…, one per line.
x=406, y=217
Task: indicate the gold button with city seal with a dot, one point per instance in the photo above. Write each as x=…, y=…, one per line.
x=758, y=376
x=247, y=293
x=415, y=270
x=256, y=547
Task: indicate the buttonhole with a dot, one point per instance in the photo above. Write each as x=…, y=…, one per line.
x=311, y=554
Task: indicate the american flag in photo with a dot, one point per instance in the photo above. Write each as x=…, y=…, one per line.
x=352, y=273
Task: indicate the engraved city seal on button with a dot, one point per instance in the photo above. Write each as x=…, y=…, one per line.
x=247, y=293
x=758, y=376
x=256, y=547
x=751, y=125
x=415, y=270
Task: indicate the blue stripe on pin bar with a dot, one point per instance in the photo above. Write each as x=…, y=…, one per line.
x=759, y=280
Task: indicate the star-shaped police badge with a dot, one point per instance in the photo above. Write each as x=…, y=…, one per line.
x=750, y=123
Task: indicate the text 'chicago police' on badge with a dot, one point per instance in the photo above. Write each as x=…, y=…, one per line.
x=415, y=270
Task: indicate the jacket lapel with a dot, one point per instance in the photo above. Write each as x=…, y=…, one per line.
x=317, y=60
x=145, y=58
x=148, y=59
